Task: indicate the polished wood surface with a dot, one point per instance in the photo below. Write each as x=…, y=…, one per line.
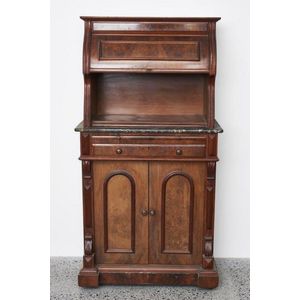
x=157, y=53
x=149, y=50
x=158, y=274
x=150, y=97
x=148, y=146
x=120, y=195
x=115, y=57
x=154, y=151
x=177, y=199
x=117, y=120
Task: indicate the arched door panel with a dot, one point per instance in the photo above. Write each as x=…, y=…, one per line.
x=120, y=195
x=176, y=197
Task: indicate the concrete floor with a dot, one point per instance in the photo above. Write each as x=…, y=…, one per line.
x=234, y=284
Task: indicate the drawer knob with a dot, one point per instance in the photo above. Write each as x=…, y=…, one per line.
x=144, y=212
x=178, y=151
x=151, y=212
x=119, y=151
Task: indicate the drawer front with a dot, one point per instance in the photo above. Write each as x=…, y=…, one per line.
x=149, y=151
x=144, y=50
x=144, y=53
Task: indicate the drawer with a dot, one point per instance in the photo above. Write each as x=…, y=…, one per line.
x=144, y=53
x=149, y=151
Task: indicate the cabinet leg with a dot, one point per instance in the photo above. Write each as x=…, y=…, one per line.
x=88, y=277
x=209, y=281
x=208, y=278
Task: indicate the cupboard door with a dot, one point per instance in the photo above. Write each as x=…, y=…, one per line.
x=121, y=226
x=176, y=203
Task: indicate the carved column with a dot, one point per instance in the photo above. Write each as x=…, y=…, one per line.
x=209, y=205
x=209, y=216
x=88, y=259
x=89, y=274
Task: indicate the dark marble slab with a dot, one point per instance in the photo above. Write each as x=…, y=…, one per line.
x=151, y=130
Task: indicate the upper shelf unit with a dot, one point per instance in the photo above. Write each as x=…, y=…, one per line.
x=157, y=45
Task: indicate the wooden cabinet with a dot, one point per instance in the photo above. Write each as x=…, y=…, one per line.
x=149, y=151
x=156, y=206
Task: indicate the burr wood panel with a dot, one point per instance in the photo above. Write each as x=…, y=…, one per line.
x=120, y=194
x=158, y=53
x=177, y=199
x=143, y=50
x=119, y=213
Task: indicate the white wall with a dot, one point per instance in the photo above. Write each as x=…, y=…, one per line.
x=232, y=112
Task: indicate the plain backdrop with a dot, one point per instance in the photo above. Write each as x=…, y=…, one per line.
x=232, y=112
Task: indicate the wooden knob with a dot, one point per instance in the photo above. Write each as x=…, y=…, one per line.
x=119, y=151
x=144, y=212
x=151, y=212
x=178, y=152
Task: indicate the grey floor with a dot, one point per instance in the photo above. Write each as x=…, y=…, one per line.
x=234, y=284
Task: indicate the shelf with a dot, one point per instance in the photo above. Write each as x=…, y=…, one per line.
x=153, y=120
x=149, y=129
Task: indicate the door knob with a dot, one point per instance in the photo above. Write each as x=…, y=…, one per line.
x=144, y=212
x=151, y=212
x=178, y=152
x=119, y=151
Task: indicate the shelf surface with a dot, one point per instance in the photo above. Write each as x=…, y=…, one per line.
x=161, y=129
x=146, y=120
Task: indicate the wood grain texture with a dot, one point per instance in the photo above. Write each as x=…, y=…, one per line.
x=86, y=46
x=89, y=274
x=209, y=207
x=158, y=274
x=149, y=150
x=140, y=120
x=88, y=218
x=149, y=50
x=153, y=151
x=177, y=200
x=211, y=102
x=150, y=95
x=119, y=213
x=123, y=58
x=180, y=139
x=188, y=247
x=156, y=147
x=120, y=194
x=122, y=47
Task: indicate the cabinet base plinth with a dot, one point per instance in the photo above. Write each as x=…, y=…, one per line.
x=88, y=278
x=113, y=274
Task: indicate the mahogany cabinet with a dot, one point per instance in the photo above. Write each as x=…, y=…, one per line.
x=149, y=151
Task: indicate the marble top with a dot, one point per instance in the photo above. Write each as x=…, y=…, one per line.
x=175, y=130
